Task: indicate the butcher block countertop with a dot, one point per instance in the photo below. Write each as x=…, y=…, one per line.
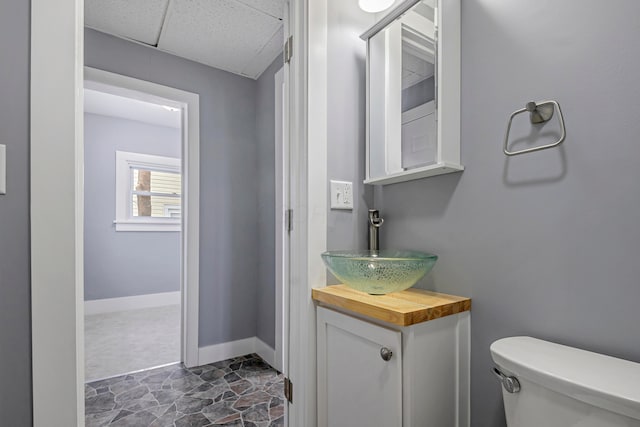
x=403, y=308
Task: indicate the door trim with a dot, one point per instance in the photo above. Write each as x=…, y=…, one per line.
x=56, y=187
x=308, y=150
x=56, y=157
x=281, y=206
x=190, y=146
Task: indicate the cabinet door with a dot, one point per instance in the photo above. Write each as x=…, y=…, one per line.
x=356, y=386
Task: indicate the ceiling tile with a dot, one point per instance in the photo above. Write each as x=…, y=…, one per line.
x=139, y=20
x=274, y=8
x=224, y=34
x=265, y=57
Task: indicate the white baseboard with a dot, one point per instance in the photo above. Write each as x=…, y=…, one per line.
x=227, y=350
x=267, y=353
x=110, y=305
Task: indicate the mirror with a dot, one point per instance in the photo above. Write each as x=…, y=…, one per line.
x=405, y=100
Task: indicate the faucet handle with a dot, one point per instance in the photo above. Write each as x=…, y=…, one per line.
x=374, y=218
x=376, y=222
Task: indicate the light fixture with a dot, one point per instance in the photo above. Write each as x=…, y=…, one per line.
x=374, y=6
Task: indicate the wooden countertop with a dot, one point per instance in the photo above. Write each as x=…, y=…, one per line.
x=400, y=308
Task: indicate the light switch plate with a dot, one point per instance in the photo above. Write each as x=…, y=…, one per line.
x=341, y=195
x=3, y=169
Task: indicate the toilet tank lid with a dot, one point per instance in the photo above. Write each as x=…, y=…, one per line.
x=603, y=381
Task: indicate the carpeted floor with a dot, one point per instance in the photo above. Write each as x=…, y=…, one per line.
x=127, y=341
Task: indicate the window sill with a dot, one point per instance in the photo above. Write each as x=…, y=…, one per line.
x=159, y=225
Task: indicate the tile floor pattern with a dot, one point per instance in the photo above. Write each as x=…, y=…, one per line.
x=241, y=392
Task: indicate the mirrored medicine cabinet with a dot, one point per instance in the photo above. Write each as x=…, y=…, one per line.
x=413, y=92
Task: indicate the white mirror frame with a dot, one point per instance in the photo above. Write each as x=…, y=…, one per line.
x=448, y=93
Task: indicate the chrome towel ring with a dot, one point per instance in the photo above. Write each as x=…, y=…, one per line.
x=539, y=112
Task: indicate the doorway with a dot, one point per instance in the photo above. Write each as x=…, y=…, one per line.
x=132, y=228
x=50, y=321
x=165, y=105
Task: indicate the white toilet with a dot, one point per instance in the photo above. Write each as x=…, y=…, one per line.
x=552, y=385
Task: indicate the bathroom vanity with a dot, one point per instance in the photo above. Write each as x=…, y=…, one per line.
x=400, y=359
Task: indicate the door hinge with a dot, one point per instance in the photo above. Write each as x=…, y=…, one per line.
x=288, y=390
x=288, y=220
x=287, y=51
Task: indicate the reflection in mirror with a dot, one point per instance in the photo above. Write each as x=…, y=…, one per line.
x=418, y=103
x=402, y=98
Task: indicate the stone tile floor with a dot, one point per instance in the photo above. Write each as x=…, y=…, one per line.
x=243, y=391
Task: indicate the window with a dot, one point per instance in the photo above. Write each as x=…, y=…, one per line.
x=148, y=192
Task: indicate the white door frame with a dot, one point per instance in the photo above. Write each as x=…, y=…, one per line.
x=57, y=160
x=308, y=190
x=189, y=104
x=56, y=150
x=57, y=293
x=281, y=206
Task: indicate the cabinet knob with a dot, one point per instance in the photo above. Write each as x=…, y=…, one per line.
x=386, y=354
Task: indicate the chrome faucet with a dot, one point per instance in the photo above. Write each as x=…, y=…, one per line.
x=374, y=223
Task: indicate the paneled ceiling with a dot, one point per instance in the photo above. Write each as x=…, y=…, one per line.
x=239, y=36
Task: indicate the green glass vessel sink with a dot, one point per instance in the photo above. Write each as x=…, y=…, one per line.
x=379, y=272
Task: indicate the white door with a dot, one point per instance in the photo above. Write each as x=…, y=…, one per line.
x=356, y=385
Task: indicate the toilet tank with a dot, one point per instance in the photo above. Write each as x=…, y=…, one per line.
x=562, y=386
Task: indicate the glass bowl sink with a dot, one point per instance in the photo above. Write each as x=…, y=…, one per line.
x=379, y=272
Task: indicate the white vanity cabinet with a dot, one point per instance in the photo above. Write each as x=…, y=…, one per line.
x=356, y=386
x=424, y=382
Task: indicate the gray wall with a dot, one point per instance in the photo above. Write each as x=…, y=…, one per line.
x=546, y=244
x=228, y=182
x=265, y=128
x=346, y=54
x=118, y=263
x=15, y=326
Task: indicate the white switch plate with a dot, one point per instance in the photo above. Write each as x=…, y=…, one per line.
x=3, y=169
x=341, y=195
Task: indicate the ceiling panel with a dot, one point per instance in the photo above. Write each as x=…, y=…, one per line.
x=140, y=20
x=265, y=57
x=225, y=34
x=274, y=8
